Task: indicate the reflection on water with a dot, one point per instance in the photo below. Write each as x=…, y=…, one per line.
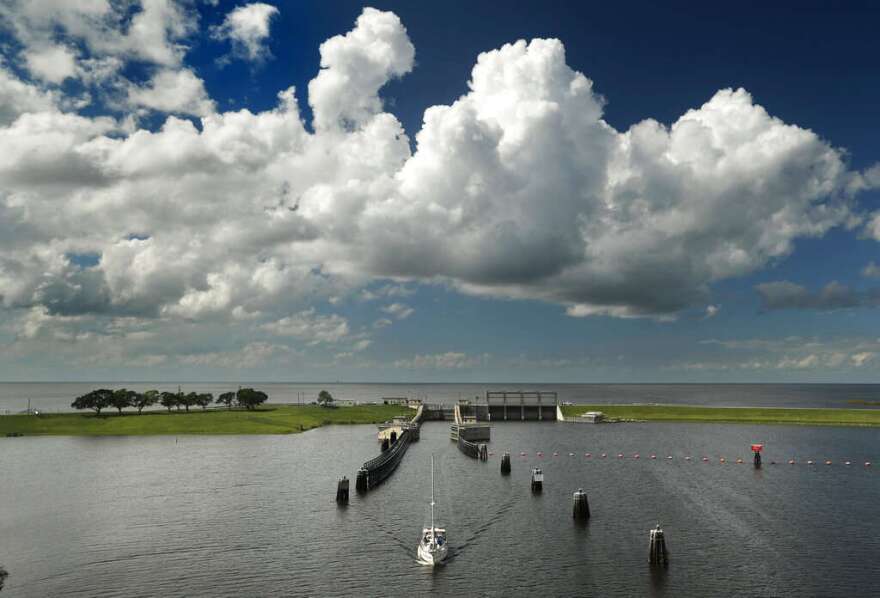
x=256, y=515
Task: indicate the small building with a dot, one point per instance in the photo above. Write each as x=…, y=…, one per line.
x=593, y=417
x=395, y=401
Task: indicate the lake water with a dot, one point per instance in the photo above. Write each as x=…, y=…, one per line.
x=255, y=515
x=58, y=396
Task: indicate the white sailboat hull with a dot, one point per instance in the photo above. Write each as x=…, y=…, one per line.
x=428, y=555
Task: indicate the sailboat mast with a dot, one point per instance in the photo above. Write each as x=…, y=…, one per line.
x=432, y=494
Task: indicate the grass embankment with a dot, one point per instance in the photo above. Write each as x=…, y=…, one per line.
x=734, y=415
x=270, y=419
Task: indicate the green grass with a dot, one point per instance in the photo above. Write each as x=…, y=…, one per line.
x=736, y=415
x=270, y=419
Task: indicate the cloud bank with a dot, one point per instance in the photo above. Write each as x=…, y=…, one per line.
x=519, y=189
x=833, y=296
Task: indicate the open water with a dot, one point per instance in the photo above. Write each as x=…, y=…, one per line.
x=255, y=515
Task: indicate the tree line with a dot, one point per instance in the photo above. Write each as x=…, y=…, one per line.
x=122, y=398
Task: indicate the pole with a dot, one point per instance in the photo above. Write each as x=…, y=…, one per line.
x=432, y=495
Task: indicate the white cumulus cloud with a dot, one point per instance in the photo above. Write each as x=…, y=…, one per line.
x=178, y=91
x=518, y=189
x=247, y=27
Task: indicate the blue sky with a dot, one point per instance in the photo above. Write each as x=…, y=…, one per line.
x=644, y=193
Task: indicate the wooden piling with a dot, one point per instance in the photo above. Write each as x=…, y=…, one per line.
x=505, y=464
x=581, y=505
x=385, y=444
x=757, y=460
x=483, y=452
x=537, y=480
x=342, y=491
x=393, y=437
x=657, y=554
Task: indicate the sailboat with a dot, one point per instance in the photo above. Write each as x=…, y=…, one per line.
x=432, y=546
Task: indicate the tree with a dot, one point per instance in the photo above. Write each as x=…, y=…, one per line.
x=325, y=399
x=227, y=398
x=169, y=400
x=189, y=399
x=122, y=398
x=204, y=399
x=250, y=398
x=145, y=399
x=96, y=400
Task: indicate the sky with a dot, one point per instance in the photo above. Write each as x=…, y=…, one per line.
x=459, y=191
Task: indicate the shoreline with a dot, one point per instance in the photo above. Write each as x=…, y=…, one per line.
x=269, y=419
x=801, y=416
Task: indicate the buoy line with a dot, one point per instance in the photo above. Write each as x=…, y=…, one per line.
x=704, y=459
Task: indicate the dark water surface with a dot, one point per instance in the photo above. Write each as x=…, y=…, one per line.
x=255, y=515
x=57, y=396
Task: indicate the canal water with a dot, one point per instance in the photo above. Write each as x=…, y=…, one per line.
x=255, y=515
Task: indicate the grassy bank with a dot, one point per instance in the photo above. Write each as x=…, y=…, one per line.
x=270, y=419
x=736, y=415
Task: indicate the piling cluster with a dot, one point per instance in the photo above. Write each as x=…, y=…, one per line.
x=342, y=491
x=657, y=554
x=581, y=505
x=505, y=464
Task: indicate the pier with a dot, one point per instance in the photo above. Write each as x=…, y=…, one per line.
x=395, y=437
